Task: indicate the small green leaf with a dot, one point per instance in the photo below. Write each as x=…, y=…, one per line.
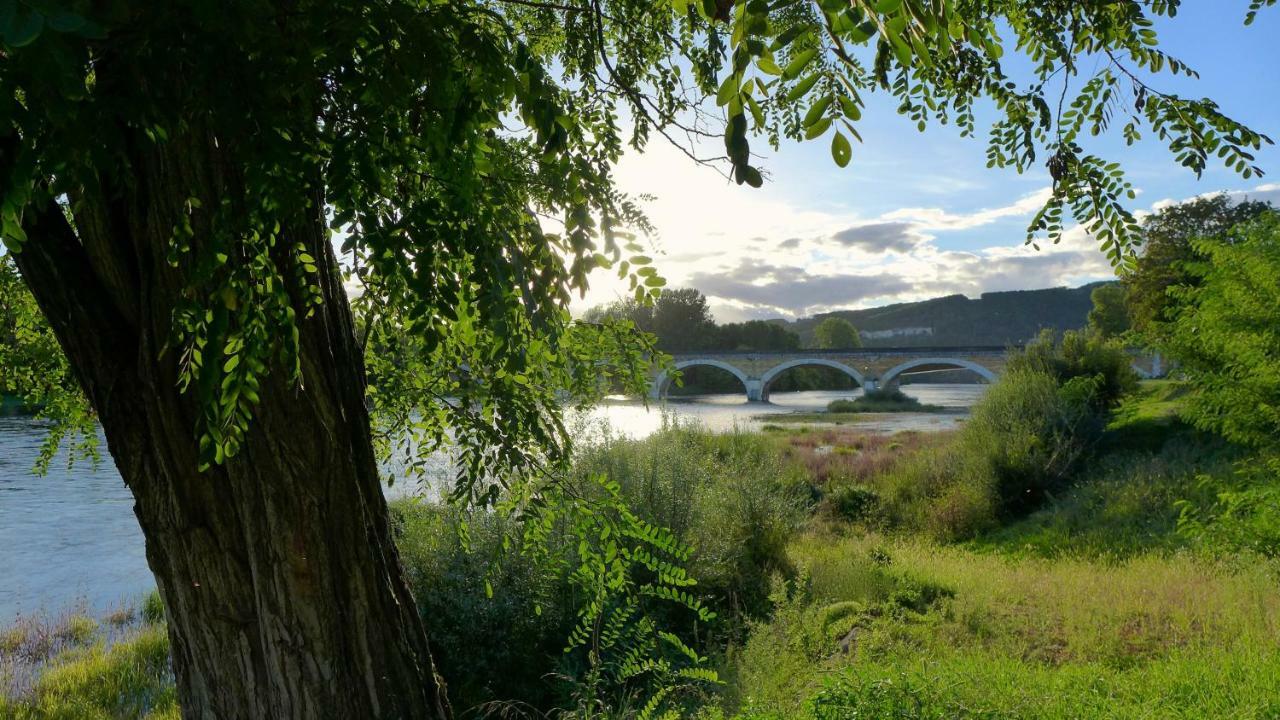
x=841, y=151
x=850, y=108
x=728, y=89
x=817, y=129
x=816, y=110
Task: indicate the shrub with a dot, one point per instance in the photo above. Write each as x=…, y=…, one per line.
x=856, y=503
x=882, y=400
x=1081, y=354
x=1243, y=513
x=497, y=621
x=1024, y=440
x=732, y=497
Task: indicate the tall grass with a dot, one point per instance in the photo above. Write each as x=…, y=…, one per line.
x=946, y=632
x=76, y=667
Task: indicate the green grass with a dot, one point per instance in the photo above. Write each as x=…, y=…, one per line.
x=1012, y=637
x=1149, y=417
x=77, y=668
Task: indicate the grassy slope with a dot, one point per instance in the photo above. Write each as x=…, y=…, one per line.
x=1091, y=607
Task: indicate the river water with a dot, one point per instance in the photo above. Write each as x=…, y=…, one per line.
x=69, y=539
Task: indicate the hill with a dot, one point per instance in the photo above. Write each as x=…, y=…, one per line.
x=996, y=318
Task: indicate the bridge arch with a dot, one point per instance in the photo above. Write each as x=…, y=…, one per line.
x=662, y=382
x=887, y=379
x=772, y=374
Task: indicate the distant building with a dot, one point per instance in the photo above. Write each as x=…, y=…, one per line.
x=896, y=333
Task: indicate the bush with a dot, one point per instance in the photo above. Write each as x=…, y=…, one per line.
x=1243, y=514
x=1024, y=440
x=731, y=496
x=856, y=503
x=1081, y=354
x=500, y=617
x=498, y=622
x=882, y=400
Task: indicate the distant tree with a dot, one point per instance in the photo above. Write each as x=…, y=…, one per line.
x=757, y=335
x=836, y=333
x=1110, y=313
x=1225, y=337
x=1168, y=254
x=641, y=314
x=682, y=321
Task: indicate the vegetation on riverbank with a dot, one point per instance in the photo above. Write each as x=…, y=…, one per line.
x=76, y=666
x=843, y=583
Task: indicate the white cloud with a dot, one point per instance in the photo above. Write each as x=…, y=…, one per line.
x=757, y=254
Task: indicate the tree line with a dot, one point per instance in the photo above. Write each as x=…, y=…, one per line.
x=681, y=322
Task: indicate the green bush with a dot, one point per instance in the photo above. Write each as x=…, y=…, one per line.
x=732, y=497
x=498, y=622
x=882, y=400
x=1242, y=513
x=1081, y=354
x=500, y=618
x=1024, y=440
x=855, y=503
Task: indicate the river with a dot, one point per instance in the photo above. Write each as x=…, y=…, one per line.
x=69, y=539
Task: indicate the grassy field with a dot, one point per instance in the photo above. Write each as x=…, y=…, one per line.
x=1091, y=606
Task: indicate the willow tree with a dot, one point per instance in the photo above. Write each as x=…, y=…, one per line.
x=180, y=180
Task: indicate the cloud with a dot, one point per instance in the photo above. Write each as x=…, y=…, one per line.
x=767, y=253
x=880, y=237
x=1267, y=192
x=939, y=219
x=770, y=289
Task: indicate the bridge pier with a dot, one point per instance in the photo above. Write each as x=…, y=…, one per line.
x=755, y=390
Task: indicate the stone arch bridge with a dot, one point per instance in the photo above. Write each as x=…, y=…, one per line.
x=870, y=368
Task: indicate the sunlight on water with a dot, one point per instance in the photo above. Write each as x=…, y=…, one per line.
x=69, y=538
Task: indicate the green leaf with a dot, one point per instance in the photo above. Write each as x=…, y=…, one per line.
x=816, y=110
x=768, y=65
x=817, y=129
x=798, y=64
x=841, y=151
x=728, y=89
x=802, y=88
x=850, y=108
x=23, y=32
x=752, y=177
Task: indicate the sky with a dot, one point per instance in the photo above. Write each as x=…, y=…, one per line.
x=918, y=215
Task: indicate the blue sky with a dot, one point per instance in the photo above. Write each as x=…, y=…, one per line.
x=919, y=215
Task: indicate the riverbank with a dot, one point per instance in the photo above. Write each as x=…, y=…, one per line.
x=853, y=574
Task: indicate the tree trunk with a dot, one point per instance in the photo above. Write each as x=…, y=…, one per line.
x=283, y=587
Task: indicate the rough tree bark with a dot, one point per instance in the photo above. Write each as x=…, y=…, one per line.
x=284, y=589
